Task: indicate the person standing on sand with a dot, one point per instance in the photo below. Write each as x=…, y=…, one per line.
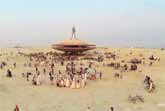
x=16, y=108
x=36, y=69
x=151, y=86
x=34, y=80
x=9, y=73
x=73, y=85
x=111, y=109
x=67, y=69
x=78, y=84
x=52, y=66
x=51, y=77
x=100, y=75
x=44, y=70
x=14, y=64
x=67, y=82
x=39, y=81
x=27, y=76
x=83, y=83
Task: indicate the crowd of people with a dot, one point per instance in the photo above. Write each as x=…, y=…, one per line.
x=73, y=77
x=75, y=74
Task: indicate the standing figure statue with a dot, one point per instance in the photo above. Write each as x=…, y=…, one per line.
x=73, y=33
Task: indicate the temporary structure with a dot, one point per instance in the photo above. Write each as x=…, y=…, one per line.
x=73, y=45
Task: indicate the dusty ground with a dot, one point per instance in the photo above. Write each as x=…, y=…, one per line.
x=99, y=94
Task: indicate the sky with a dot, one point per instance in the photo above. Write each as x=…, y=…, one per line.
x=113, y=23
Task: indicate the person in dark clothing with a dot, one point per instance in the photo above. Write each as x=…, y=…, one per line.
x=100, y=75
x=36, y=69
x=14, y=65
x=112, y=109
x=27, y=75
x=9, y=73
x=62, y=63
x=51, y=77
x=147, y=79
x=52, y=66
x=44, y=70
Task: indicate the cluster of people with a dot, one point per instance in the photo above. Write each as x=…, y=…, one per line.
x=74, y=77
x=74, y=82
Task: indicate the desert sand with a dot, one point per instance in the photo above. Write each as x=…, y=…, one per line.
x=99, y=94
